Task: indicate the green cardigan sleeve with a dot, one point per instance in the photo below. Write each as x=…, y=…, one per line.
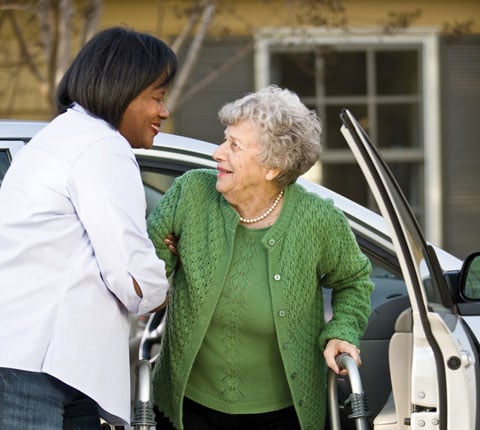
x=349, y=278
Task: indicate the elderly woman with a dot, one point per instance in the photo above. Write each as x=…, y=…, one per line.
x=245, y=325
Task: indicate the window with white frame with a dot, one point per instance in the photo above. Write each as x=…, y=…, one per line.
x=383, y=81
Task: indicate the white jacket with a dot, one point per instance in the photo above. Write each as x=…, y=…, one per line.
x=72, y=237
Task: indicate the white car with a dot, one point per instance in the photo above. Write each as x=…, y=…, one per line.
x=421, y=348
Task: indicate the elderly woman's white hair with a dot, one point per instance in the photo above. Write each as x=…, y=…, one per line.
x=289, y=132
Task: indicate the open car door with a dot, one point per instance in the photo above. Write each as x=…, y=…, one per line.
x=434, y=368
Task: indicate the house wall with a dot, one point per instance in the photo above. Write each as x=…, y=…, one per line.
x=461, y=144
x=162, y=17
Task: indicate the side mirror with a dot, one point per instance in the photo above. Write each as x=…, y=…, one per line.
x=470, y=277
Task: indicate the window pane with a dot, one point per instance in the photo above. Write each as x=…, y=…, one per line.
x=398, y=125
x=408, y=178
x=347, y=180
x=397, y=72
x=295, y=71
x=333, y=138
x=345, y=74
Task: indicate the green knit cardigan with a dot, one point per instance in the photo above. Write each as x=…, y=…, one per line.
x=310, y=246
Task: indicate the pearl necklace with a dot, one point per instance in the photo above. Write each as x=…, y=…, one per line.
x=265, y=214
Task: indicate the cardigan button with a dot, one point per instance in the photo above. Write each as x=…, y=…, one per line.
x=271, y=242
x=282, y=313
x=277, y=277
x=294, y=375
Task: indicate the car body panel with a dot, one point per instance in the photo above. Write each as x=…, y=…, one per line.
x=19, y=129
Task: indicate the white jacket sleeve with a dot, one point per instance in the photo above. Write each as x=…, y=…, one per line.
x=106, y=189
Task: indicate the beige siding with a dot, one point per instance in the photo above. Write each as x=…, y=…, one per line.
x=461, y=143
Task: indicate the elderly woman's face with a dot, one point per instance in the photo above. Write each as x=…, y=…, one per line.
x=239, y=172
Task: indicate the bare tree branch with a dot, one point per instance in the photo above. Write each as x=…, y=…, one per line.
x=399, y=21
x=12, y=6
x=91, y=13
x=24, y=52
x=453, y=31
x=12, y=89
x=64, y=39
x=43, y=11
x=186, y=30
x=192, y=55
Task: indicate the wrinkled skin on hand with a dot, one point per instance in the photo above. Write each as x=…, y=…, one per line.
x=335, y=347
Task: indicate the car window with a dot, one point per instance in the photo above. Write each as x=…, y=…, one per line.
x=5, y=160
x=155, y=185
x=8, y=149
x=388, y=286
x=160, y=182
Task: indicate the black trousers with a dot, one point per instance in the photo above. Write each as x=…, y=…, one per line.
x=198, y=417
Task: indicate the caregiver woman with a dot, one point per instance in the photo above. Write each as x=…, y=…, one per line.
x=75, y=257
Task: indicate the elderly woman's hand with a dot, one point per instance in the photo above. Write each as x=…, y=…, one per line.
x=335, y=347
